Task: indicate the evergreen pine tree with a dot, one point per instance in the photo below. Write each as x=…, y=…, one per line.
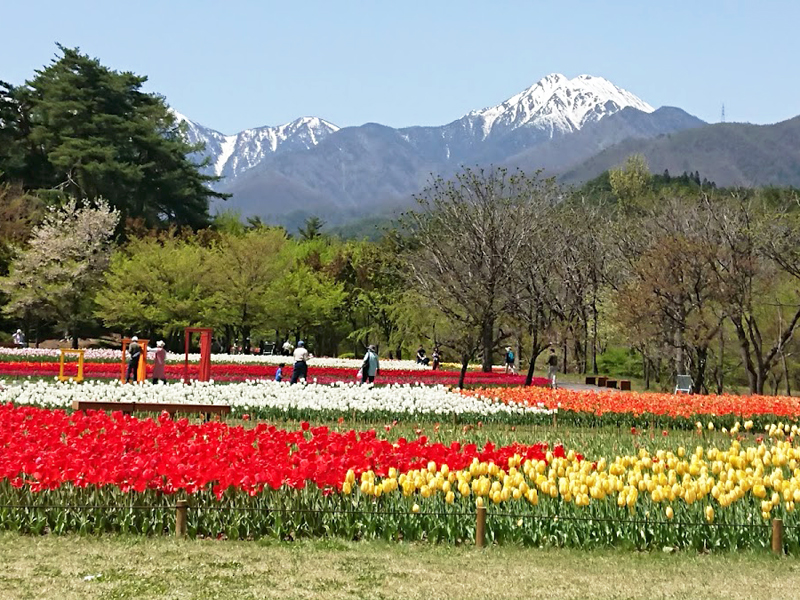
x=102, y=136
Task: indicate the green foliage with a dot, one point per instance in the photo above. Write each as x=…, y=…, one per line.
x=620, y=362
x=243, y=273
x=92, y=132
x=311, y=229
x=632, y=181
x=155, y=284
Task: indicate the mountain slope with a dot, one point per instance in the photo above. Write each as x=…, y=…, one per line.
x=730, y=154
x=629, y=123
x=231, y=155
x=310, y=166
x=357, y=168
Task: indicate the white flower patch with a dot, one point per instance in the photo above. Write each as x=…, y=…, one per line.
x=25, y=354
x=400, y=399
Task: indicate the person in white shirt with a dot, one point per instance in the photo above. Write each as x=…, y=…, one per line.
x=19, y=339
x=300, y=369
x=287, y=348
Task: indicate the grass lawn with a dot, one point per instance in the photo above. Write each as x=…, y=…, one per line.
x=138, y=567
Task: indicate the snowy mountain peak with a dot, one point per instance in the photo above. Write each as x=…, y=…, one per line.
x=234, y=154
x=556, y=103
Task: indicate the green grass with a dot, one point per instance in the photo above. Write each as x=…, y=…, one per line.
x=134, y=567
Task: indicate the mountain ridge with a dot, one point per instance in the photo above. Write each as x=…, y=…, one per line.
x=312, y=166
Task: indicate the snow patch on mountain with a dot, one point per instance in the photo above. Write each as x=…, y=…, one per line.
x=231, y=155
x=555, y=103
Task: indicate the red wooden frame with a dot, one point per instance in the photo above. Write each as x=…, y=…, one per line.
x=205, y=353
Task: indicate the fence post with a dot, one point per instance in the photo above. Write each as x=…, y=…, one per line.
x=777, y=536
x=181, y=525
x=480, y=528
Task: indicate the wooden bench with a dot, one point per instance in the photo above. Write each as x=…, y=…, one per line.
x=601, y=381
x=625, y=385
x=129, y=408
x=611, y=383
x=591, y=380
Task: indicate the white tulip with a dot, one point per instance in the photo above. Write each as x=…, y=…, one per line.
x=401, y=399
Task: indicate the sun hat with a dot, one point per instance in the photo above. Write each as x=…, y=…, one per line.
x=134, y=339
x=160, y=343
x=301, y=343
x=372, y=347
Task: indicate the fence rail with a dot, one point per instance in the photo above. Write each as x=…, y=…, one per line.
x=182, y=507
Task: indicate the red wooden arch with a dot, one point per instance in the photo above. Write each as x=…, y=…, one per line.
x=205, y=353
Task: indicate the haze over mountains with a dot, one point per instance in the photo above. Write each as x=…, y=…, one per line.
x=572, y=127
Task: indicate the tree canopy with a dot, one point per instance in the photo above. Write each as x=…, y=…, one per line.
x=82, y=130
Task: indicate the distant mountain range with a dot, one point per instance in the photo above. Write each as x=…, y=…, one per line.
x=729, y=154
x=574, y=128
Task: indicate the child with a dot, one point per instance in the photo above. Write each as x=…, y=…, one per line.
x=279, y=372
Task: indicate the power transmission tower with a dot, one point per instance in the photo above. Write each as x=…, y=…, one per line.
x=722, y=118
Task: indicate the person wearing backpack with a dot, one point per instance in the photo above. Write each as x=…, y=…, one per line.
x=370, y=367
x=510, y=365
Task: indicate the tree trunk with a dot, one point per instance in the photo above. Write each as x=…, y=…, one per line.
x=679, y=368
x=463, y=374
x=594, y=337
x=721, y=362
x=534, y=354
x=487, y=338
x=75, y=340
x=700, y=375
x=786, y=374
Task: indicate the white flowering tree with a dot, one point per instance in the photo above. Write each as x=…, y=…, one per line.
x=57, y=275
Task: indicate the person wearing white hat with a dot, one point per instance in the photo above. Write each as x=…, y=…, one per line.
x=134, y=352
x=160, y=363
x=19, y=339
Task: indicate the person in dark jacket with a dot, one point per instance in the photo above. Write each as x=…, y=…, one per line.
x=134, y=353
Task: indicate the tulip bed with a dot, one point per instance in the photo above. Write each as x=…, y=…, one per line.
x=271, y=400
x=240, y=372
x=598, y=408
x=95, y=472
x=111, y=355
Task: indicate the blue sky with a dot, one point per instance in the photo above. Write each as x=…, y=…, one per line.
x=238, y=64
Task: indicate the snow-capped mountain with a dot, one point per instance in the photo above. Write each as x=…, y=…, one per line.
x=310, y=166
x=555, y=104
x=231, y=155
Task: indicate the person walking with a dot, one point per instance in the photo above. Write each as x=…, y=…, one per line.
x=437, y=356
x=510, y=366
x=371, y=366
x=134, y=353
x=552, y=368
x=287, y=348
x=300, y=369
x=160, y=363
